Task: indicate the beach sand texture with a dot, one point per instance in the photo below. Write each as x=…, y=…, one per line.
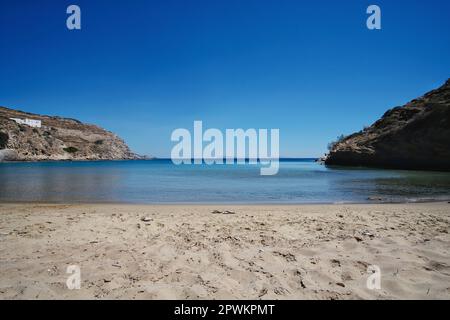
x=259, y=252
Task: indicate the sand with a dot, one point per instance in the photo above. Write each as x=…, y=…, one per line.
x=260, y=252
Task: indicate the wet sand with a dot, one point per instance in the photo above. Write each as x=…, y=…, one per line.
x=251, y=252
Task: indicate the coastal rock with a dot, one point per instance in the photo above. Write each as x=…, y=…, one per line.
x=414, y=136
x=57, y=139
x=320, y=160
x=8, y=155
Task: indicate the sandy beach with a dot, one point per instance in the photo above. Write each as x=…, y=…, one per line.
x=250, y=252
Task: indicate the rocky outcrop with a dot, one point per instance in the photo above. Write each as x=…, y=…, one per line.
x=414, y=136
x=8, y=155
x=57, y=139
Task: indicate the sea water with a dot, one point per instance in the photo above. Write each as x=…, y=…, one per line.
x=160, y=181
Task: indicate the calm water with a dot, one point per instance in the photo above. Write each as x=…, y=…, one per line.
x=159, y=181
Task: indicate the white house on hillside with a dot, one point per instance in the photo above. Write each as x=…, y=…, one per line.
x=30, y=122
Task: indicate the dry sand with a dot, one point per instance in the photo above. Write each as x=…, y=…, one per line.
x=261, y=252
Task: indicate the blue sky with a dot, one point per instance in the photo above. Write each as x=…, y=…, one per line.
x=143, y=68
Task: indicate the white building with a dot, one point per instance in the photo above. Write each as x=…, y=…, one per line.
x=29, y=122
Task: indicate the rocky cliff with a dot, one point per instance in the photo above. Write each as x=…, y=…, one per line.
x=57, y=139
x=413, y=136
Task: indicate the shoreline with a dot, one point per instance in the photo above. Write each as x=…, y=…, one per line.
x=244, y=203
x=74, y=160
x=183, y=251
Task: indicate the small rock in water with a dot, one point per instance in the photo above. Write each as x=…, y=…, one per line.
x=375, y=198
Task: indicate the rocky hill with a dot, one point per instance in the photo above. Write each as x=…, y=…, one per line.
x=57, y=139
x=413, y=136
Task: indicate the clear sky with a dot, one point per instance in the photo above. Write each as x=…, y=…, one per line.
x=143, y=68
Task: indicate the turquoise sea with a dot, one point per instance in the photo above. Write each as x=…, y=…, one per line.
x=160, y=181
